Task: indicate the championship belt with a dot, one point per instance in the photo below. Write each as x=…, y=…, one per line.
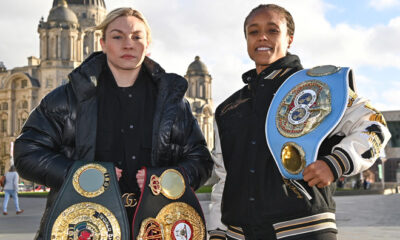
x=304, y=110
x=88, y=205
x=168, y=209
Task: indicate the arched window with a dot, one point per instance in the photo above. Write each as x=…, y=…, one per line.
x=208, y=127
x=4, y=148
x=193, y=89
x=14, y=84
x=49, y=83
x=201, y=90
x=3, y=123
x=24, y=83
x=21, y=120
x=25, y=104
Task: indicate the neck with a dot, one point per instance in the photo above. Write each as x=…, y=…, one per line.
x=260, y=68
x=124, y=78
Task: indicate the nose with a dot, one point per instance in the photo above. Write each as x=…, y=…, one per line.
x=263, y=37
x=128, y=43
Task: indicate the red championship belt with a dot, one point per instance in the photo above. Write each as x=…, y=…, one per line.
x=168, y=209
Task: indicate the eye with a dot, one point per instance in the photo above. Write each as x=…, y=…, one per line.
x=116, y=37
x=253, y=32
x=137, y=37
x=274, y=30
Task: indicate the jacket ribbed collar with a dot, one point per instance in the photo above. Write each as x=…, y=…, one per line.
x=289, y=61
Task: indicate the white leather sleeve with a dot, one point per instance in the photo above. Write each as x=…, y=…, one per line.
x=366, y=135
x=214, y=220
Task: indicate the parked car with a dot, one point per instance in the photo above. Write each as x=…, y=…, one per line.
x=24, y=188
x=41, y=188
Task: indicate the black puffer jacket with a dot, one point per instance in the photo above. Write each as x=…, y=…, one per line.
x=62, y=129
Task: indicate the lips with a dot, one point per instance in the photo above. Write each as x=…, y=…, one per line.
x=128, y=56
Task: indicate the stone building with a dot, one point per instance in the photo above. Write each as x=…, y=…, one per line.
x=66, y=39
x=199, y=96
x=387, y=168
x=392, y=149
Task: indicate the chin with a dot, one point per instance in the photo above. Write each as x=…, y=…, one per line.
x=129, y=66
x=264, y=63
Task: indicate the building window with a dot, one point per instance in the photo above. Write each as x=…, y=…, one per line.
x=394, y=128
x=193, y=89
x=4, y=106
x=24, y=83
x=49, y=83
x=22, y=122
x=3, y=125
x=4, y=148
x=24, y=104
x=208, y=94
x=201, y=91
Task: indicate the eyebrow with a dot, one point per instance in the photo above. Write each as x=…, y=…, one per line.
x=269, y=23
x=119, y=31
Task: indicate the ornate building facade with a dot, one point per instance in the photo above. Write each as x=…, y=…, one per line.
x=199, y=96
x=66, y=39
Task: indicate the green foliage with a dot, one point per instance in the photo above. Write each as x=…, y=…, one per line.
x=28, y=194
x=204, y=189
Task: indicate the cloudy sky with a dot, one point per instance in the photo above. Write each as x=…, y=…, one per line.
x=361, y=34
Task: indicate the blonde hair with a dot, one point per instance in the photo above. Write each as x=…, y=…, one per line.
x=122, y=12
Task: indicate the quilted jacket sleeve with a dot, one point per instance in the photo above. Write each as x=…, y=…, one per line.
x=37, y=150
x=196, y=159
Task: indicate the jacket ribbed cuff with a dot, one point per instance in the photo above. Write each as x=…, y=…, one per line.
x=217, y=234
x=339, y=162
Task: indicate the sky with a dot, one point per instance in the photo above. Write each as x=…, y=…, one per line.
x=361, y=34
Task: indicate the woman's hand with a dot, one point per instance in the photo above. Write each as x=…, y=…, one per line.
x=118, y=171
x=140, y=175
x=318, y=174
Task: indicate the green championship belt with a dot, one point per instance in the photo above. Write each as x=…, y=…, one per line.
x=88, y=205
x=168, y=209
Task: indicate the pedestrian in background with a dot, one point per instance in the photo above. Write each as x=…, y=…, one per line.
x=11, y=189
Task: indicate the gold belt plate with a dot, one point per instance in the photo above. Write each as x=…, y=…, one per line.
x=91, y=180
x=175, y=221
x=303, y=108
x=86, y=220
x=171, y=184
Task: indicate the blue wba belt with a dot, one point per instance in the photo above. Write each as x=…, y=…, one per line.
x=304, y=110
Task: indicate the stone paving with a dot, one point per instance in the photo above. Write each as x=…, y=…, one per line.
x=364, y=217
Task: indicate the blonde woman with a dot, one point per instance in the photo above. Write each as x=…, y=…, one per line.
x=119, y=106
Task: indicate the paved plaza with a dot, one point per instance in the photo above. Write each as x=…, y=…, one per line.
x=363, y=217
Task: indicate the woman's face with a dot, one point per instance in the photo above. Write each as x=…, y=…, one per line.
x=267, y=37
x=125, y=43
